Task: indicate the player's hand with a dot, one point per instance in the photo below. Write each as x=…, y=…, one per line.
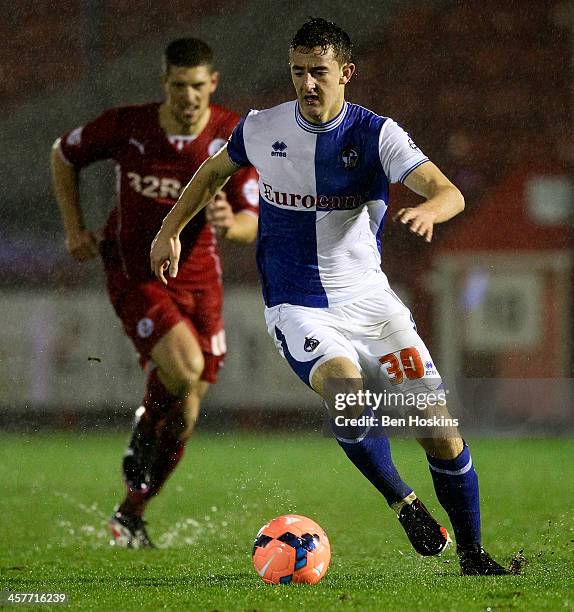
x=83, y=244
x=164, y=255
x=220, y=214
x=420, y=221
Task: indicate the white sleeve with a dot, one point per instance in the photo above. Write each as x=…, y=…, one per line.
x=399, y=154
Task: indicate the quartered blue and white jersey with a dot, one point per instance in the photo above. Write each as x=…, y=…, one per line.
x=323, y=194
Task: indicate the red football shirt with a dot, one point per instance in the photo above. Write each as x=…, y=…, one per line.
x=152, y=169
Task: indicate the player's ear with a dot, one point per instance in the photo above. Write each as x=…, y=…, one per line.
x=348, y=70
x=164, y=75
x=214, y=81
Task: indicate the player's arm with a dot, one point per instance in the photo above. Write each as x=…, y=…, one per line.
x=236, y=226
x=443, y=200
x=234, y=213
x=244, y=229
x=209, y=179
x=80, y=242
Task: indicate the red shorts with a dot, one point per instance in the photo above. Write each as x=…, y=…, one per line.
x=149, y=310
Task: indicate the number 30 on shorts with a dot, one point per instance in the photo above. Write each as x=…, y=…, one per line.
x=411, y=362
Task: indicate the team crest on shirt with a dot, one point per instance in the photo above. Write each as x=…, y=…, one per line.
x=145, y=327
x=310, y=344
x=350, y=158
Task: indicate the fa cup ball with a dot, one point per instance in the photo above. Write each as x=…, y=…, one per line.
x=291, y=548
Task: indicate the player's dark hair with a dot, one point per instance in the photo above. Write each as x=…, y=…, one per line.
x=318, y=32
x=187, y=52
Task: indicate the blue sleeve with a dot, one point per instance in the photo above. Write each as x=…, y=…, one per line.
x=236, y=146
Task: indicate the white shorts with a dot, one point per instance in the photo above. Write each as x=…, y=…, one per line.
x=376, y=332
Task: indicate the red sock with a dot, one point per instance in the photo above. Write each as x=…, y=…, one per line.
x=158, y=401
x=159, y=404
x=169, y=455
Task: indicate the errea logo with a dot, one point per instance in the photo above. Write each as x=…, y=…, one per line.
x=430, y=369
x=278, y=149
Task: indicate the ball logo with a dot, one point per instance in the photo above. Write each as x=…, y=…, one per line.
x=291, y=549
x=350, y=158
x=145, y=328
x=215, y=145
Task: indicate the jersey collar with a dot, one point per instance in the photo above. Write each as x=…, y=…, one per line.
x=317, y=128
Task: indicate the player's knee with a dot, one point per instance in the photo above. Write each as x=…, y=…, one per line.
x=193, y=370
x=188, y=378
x=182, y=379
x=340, y=369
x=443, y=448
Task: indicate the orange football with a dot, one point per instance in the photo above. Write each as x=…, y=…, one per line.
x=291, y=548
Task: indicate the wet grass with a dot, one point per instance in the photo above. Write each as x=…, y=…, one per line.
x=58, y=490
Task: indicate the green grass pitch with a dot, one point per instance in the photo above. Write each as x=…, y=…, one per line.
x=58, y=490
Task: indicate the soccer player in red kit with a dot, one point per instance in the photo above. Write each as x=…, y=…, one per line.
x=177, y=331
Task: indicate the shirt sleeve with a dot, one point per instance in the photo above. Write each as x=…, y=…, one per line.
x=236, y=145
x=94, y=141
x=242, y=191
x=398, y=153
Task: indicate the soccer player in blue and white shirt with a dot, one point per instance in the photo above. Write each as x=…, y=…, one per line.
x=325, y=166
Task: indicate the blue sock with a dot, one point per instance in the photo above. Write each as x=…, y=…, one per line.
x=456, y=486
x=371, y=453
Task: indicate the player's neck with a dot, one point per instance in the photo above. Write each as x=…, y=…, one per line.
x=325, y=116
x=172, y=127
